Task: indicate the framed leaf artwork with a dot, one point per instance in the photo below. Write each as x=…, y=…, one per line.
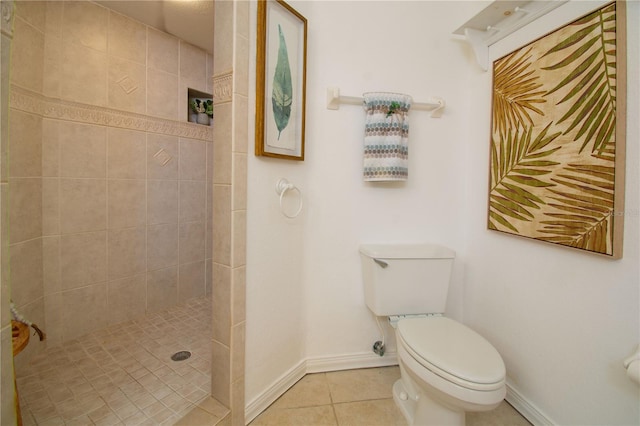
x=557, y=151
x=280, y=81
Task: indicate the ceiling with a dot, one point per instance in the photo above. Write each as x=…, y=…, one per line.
x=189, y=20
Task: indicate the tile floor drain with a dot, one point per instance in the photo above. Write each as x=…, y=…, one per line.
x=181, y=356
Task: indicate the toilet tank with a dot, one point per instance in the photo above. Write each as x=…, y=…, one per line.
x=406, y=278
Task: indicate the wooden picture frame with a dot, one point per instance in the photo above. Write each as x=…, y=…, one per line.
x=557, y=149
x=281, y=68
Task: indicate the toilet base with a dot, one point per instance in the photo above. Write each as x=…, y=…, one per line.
x=420, y=410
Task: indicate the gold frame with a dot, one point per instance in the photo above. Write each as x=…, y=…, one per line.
x=557, y=150
x=270, y=14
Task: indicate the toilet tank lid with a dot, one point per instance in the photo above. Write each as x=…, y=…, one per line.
x=407, y=251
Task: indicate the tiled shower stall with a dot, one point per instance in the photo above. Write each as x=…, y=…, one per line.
x=118, y=207
x=109, y=203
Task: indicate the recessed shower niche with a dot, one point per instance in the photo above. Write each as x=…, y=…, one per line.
x=199, y=107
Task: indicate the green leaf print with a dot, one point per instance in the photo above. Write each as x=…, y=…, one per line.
x=281, y=97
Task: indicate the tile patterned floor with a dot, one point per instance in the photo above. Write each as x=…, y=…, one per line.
x=124, y=375
x=357, y=398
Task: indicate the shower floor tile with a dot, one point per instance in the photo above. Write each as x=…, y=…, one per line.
x=123, y=374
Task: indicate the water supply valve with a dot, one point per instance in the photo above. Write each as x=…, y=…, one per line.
x=378, y=347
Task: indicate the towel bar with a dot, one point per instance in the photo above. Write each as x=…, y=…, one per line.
x=436, y=105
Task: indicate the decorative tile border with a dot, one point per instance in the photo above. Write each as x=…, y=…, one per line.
x=223, y=87
x=31, y=102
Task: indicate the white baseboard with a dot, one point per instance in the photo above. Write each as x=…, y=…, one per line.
x=277, y=388
x=526, y=408
x=365, y=360
x=313, y=365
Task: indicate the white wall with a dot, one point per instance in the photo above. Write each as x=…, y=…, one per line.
x=377, y=46
x=563, y=320
x=275, y=255
x=304, y=290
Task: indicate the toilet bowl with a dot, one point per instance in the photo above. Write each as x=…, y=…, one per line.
x=446, y=370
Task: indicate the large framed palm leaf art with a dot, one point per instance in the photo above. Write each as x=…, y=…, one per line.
x=558, y=140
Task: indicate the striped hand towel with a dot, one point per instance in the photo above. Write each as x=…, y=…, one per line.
x=386, y=136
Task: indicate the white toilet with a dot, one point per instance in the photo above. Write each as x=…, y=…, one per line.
x=446, y=368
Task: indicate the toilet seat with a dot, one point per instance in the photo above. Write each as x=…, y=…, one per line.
x=452, y=351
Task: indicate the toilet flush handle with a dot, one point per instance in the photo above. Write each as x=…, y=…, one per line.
x=382, y=263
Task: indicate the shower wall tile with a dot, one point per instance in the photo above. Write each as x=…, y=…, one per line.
x=127, y=205
x=221, y=372
x=53, y=66
x=222, y=136
x=5, y=54
x=121, y=220
x=86, y=23
x=192, y=201
x=127, y=38
x=77, y=322
x=51, y=265
x=239, y=182
x=127, y=253
x=162, y=288
x=162, y=51
x=239, y=230
x=221, y=298
x=126, y=298
x=50, y=147
x=190, y=281
x=83, y=205
x=83, y=74
x=25, y=144
x=162, y=94
x=53, y=316
x=27, y=58
x=239, y=295
x=242, y=18
x=222, y=224
x=25, y=209
x=241, y=66
x=126, y=154
x=53, y=17
x=208, y=277
x=162, y=157
x=33, y=12
x=52, y=48
x=162, y=201
x=237, y=401
x=127, y=85
x=83, y=259
x=209, y=154
x=241, y=127
x=26, y=271
x=208, y=254
x=192, y=242
x=193, y=62
x=193, y=159
x=162, y=246
x=237, y=352
x=50, y=206
x=223, y=51
x=83, y=150
x=7, y=387
x=209, y=73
